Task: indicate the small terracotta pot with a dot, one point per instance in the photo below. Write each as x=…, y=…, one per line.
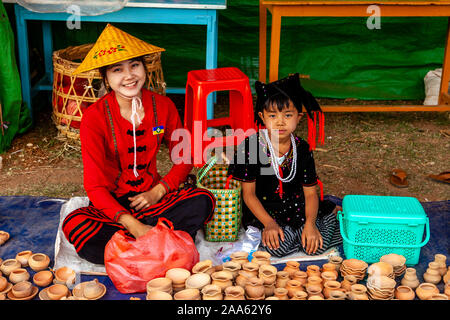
x=57, y=291
x=251, y=268
x=212, y=292
x=23, y=257
x=178, y=275
x=441, y=259
x=254, y=287
x=18, y=275
x=202, y=266
x=234, y=293
x=281, y=293
x=187, y=294
x=242, y=278
x=317, y=280
x=447, y=289
x=222, y=279
x=404, y=293
x=261, y=257
x=282, y=279
x=65, y=275
x=313, y=270
x=92, y=289
x=329, y=267
x=158, y=295
x=198, y=281
x=239, y=256
x=432, y=274
x=410, y=278
x=3, y=283
x=328, y=276
x=38, y=261
x=300, y=295
x=160, y=284
x=330, y=286
x=301, y=276
x=426, y=290
x=292, y=286
x=291, y=267
x=43, y=278
x=337, y=295
x=358, y=292
x=22, y=289
x=268, y=273
x=233, y=267
x=438, y=296
x=348, y=281
x=9, y=265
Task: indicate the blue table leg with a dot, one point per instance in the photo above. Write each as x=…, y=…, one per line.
x=48, y=49
x=24, y=61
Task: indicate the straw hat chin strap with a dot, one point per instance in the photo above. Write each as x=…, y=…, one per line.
x=136, y=104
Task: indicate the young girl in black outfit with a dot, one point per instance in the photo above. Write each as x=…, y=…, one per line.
x=279, y=176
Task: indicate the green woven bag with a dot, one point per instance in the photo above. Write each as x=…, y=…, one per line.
x=226, y=221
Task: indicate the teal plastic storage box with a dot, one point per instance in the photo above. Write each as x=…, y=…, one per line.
x=373, y=226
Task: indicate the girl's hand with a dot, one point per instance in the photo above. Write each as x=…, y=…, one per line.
x=270, y=235
x=311, y=238
x=147, y=199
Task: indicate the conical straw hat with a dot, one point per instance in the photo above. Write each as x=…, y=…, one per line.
x=112, y=46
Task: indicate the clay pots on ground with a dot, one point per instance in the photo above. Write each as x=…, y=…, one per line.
x=336, y=261
x=426, y=290
x=212, y=292
x=291, y=267
x=268, y=273
x=9, y=265
x=440, y=260
x=160, y=284
x=239, y=256
x=432, y=274
x=3, y=283
x=232, y=266
x=57, y=291
x=281, y=293
x=178, y=277
x=204, y=266
x=261, y=257
x=358, y=292
x=354, y=267
x=251, y=268
x=404, y=293
x=446, y=289
x=410, y=278
x=234, y=293
x=301, y=276
x=313, y=270
x=19, y=275
x=65, y=275
x=254, y=289
x=23, y=257
x=38, y=261
x=158, y=295
x=198, y=281
x=331, y=286
x=222, y=279
x=43, y=278
x=293, y=286
x=282, y=279
x=348, y=281
x=187, y=294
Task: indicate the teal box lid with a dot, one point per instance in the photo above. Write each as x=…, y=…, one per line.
x=392, y=209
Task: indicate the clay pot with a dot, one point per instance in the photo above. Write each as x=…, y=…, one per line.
x=268, y=273
x=187, y=294
x=222, y=279
x=198, y=281
x=43, y=278
x=348, y=281
x=438, y=296
x=255, y=288
x=328, y=276
x=268, y=289
x=57, y=291
x=292, y=286
x=204, y=266
x=212, y=292
x=23, y=257
x=432, y=274
x=18, y=275
x=251, y=268
x=301, y=276
x=441, y=259
x=239, y=256
x=22, y=289
x=38, y=261
x=92, y=289
x=358, y=292
x=329, y=267
x=158, y=295
x=404, y=293
x=242, y=278
x=282, y=279
x=3, y=283
x=316, y=280
x=281, y=293
x=261, y=257
x=178, y=276
x=234, y=293
x=426, y=290
x=336, y=261
x=316, y=297
x=9, y=265
x=314, y=289
x=65, y=275
x=291, y=267
x=337, y=295
x=410, y=278
x=299, y=295
x=381, y=269
x=446, y=276
x=160, y=284
x=330, y=286
x=232, y=266
x=4, y=236
x=313, y=270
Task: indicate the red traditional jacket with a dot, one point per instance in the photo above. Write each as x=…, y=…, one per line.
x=107, y=148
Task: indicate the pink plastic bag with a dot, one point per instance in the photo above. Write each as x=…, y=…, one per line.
x=131, y=263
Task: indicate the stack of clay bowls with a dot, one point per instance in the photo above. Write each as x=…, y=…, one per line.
x=381, y=269
x=397, y=261
x=380, y=287
x=354, y=267
x=178, y=277
x=159, y=289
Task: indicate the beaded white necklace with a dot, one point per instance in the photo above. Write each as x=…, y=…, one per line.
x=273, y=157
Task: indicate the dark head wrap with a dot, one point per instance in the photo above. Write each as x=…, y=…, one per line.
x=291, y=87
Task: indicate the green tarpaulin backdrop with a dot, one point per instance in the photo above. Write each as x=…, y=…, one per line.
x=343, y=57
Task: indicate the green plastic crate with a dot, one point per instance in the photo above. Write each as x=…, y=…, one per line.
x=373, y=226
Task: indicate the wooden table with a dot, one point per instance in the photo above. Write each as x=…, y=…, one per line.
x=355, y=8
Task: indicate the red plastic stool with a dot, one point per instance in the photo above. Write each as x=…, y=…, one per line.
x=199, y=84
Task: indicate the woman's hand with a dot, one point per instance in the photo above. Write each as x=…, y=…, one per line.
x=271, y=235
x=311, y=238
x=133, y=225
x=147, y=199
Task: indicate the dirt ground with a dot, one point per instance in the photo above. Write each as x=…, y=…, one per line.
x=360, y=151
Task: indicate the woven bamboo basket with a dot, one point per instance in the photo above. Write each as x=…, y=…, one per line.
x=226, y=220
x=73, y=94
